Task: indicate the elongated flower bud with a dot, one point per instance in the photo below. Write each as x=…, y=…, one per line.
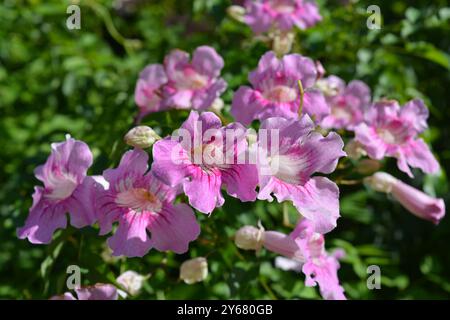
x=249, y=238
x=282, y=43
x=354, y=150
x=141, y=137
x=194, y=270
x=381, y=182
x=417, y=202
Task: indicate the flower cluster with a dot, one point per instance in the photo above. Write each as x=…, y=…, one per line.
x=180, y=83
x=348, y=103
x=275, y=91
x=392, y=131
x=287, y=159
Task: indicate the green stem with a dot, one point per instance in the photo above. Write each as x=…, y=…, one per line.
x=286, y=221
x=102, y=12
x=268, y=290
x=302, y=94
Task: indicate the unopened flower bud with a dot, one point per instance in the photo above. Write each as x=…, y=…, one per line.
x=194, y=270
x=282, y=43
x=381, y=182
x=354, y=150
x=141, y=137
x=249, y=238
x=236, y=12
x=131, y=281
x=217, y=106
x=328, y=88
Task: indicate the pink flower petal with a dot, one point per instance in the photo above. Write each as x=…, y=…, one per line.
x=315, y=105
x=207, y=61
x=133, y=162
x=241, y=181
x=97, y=292
x=43, y=220
x=174, y=228
x=418, y=155
x=375, y=147
x=130, y=238
x=209, y=182
x=416, y=113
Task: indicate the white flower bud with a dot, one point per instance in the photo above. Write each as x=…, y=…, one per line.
x=194, y=270
x=282, y=43
x=217, y=106
x=381, y=182
x=131, y=281
x=141, y=137
x=249, y=238
x=328, y=88
x=354, y=150
x=236, y=12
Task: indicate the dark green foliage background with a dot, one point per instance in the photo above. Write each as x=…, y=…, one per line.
x=54, y=81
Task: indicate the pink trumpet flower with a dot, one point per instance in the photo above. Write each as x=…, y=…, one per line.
x=320, y=267
x=148, y=92
x=193, y=84
x=392, y=131
x=301, y=250
x=142, y=204
x=207, y=157
x=66, y=189
x=348, y=103
x=287, y=161
x=275, y=91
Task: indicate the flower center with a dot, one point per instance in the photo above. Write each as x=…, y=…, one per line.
x=281, y=93
x=287, y=168
x=387, y=136
x=62, y=185
x=139, y=200
x=330, y=89
x=192, y=80
x=340, y=112
x=208, y=155
x=394, y=133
